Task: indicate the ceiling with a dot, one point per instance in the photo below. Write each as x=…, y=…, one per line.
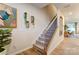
x=69, y=10
x=39, y=5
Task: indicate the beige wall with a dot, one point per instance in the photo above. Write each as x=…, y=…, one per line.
x=50, y=10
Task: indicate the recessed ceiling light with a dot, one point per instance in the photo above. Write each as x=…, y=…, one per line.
x=70, y=13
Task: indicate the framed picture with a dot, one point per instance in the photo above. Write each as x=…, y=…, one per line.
x=27, y=24
x=32, y=20
x=60, y=25
x=8, y=16
x=26, y=21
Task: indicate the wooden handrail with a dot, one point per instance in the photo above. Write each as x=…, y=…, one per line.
x=51, y=22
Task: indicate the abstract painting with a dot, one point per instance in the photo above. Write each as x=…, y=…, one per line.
x=8, y=16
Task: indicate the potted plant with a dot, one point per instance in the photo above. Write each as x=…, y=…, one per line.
x=5, y=40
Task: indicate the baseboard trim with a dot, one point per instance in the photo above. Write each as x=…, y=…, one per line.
x=19, y=51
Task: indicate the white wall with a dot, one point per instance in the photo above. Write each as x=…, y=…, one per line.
x=70, y=12
x=23, y=38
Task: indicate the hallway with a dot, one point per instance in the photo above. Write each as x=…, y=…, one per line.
x=69, y=46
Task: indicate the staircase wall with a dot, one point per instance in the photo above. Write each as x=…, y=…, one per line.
x=56, y=39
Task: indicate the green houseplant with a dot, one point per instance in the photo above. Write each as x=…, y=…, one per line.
x=5, y=39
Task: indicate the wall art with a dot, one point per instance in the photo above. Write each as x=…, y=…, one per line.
x=33, y=20
x=25, y=18
x=8, y=16
x=60, y=25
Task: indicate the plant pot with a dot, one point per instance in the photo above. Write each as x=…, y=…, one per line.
x=3, y=52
